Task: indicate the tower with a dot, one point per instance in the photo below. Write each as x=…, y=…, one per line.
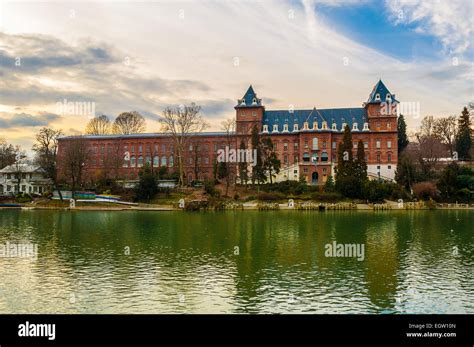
x=382, y=109
x=249, y=112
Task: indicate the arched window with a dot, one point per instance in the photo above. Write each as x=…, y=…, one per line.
x=171, y=162
x=133, y=161
x=140, y=161
x=148, y=160
x=315, y=143
x=314, y=158
x=156, y=160
x=163, y=161
x=389, y=157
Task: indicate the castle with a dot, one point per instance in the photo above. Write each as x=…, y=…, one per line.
x=305, y=141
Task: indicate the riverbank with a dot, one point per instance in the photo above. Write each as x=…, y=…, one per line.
x=250, y=206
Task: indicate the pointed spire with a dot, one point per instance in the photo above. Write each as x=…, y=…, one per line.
x=380, y=93
x=250, y=99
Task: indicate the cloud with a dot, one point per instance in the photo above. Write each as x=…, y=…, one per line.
x=450, y=21
x=19, y=120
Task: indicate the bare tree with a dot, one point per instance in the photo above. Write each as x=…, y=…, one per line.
x=99, y=126
x=181, y=123
x=429, y=147
x=76, y=156
x=229, y=126
x=445, y=129
x=20, y=161
x=129, y=123
x=46, y=149
x=7, y=154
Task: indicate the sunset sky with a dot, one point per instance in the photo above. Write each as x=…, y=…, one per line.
x=144, y=56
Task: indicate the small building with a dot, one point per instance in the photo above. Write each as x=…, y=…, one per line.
x=32, y=180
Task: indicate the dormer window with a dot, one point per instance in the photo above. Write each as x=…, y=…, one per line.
x=305, y=126
x=254, y=101
x=242, y=102
x=285, y=127
x=265, y=128
x=377, y=97
x=366, y=126
x=275, y=128
x=325, y=125
x=334, y=126
x=343, y=126
x=295, y=127
x=355, y=127
x=388, y=97
x=315, y=125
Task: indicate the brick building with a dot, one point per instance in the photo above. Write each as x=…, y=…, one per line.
x=305, y=141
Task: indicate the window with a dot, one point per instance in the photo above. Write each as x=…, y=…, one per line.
x=366, y=126
x=378, y=157
x=314, y=158
x=389, y=158
x=355, y=126
x=140, y=161
x=163, y=148
x=296, y=159
x=285, y=127
x=305, y=170
x=389, y=125
x=325, y=125
x=377, y=144
x=163, y=161
x=315, y=143
x=378, y=125
x=315, y=125
x=190, y=161
x=206, y=160
x=334, y=126
x=354, y=144
x=305, y=143
x=366, y=144
x=156, y=148
x=171, y=162
x=389, y=144
x=133, y=161
x=295, y=127
x=140, y=148
x=324, y=144
x=190, y=147
x=334, y=145
x=215, y=147
x=324, y=156
x=285, y=146
x=133, y=148
x=148, y=160
x=390, y=167
x=275, y=128
x=156, y=160
x=305, y=126
x=275, y=146
x=285, y=159
x=295, y=145
x=148, y=149
x=125, y=163
x=305, y=157
x=265, y=128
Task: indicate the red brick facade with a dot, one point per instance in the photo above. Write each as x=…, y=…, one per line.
x=309, y=151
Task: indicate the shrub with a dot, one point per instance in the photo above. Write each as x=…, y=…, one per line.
x=210, y=189
x=326, y=197
x=425, y=190
x=264, y=196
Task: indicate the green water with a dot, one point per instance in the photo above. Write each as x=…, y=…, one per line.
x=238, y=262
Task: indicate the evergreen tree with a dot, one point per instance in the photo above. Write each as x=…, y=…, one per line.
x=223, y=173
x=329, y=186
x=271, y=164
x=258, y=174
x=360, y=165
x=447, y=183
x=147, y=185
x=464, y=140
x=346, y=182
x=243, y=172
x=402, y=134
x=406, y=172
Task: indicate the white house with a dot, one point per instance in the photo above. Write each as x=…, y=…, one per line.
x=32, y=179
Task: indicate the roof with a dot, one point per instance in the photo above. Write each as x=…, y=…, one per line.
x=26, y=168
x=138, y=136
x=330, y=116
x=250, y=99
x=382, y=91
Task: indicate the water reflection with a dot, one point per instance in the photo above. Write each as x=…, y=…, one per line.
x=238, y=262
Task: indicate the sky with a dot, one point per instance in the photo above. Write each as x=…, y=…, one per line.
x=108, y=57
